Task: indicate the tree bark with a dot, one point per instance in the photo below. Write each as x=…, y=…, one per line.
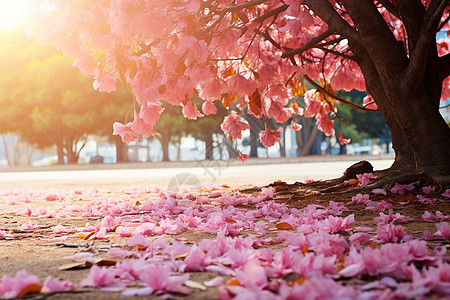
x=60, y=153
x=208, y=139
x=121, y=150
x=164, y=139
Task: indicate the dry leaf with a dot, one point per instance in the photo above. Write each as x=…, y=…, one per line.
x=284, y=226
x=305, y=249
x=75, y=266
x=116, y=226
x=140, y=247
x=30, y=289
x=300, y=280
x=106, y=263
x=233, y=281
x=137, y=203
x=195, y=285
x=89, y=235
x=353, y=181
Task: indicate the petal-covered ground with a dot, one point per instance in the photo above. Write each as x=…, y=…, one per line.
x=242, y=242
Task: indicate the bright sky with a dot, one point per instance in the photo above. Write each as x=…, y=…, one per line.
x=12, y=12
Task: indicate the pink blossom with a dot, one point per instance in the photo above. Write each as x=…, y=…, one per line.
x=58, y=229
x=390, y=233
x=233, y=126
x=139, y=127
x=209, y=108
x=253, y=274
x=150, y=113
x=295, y=126
x=370, y=103
x=365, y=179
x=343, y=141
x=196, y=260
x=428, y=189
x=99, y=277
x=424, y=200
x=391, y=218
x=55, y=285
x=10, y=287
x=158, y=278
x=269, y=136
x=361, y=199
x=125, y=132
x=191, y=112
x=443, y=230
x=242, y=157
x=379, y=191
x=27, y=226
x=447, y=193
x=104, y=82
x=337, y=224
x=401, y=188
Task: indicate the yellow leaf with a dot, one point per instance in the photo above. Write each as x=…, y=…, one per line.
x=284, y=226
x=81, y=235
x=30, y=289
x=181, y=256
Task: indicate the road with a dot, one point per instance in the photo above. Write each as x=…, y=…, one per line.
x=219, y=172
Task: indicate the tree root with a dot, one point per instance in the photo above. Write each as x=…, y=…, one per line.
x=398, y=173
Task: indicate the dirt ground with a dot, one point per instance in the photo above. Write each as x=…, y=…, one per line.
x=42, y=253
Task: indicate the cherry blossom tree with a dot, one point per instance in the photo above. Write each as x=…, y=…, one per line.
x=261, y=53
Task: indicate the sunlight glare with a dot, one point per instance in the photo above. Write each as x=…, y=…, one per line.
x=13, y=12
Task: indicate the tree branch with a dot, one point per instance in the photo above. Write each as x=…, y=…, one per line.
x=308, y=45
x=335, y=22
x=339, y=99
x=232, y=8
x=273, y=12
x=418, y=57
x=443, y=23
x=390, y=8
x=444, y=62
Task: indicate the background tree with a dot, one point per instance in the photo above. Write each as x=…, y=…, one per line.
x=254, y=49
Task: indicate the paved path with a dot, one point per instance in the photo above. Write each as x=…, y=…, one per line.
x=203, y=172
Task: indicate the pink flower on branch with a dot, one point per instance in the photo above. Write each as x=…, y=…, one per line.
x=233, y=126
x=269, y=136
x=125, y=132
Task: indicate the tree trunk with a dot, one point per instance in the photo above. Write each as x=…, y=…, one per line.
x=72, y=157
x=420, y=136
x=306, y=137
x=208, y=138
x=164, y=139
x=283, y=143
x=60, y=153
x=232, y=152
x=121, y=150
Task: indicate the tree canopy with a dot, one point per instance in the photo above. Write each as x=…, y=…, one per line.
x=261, y=53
